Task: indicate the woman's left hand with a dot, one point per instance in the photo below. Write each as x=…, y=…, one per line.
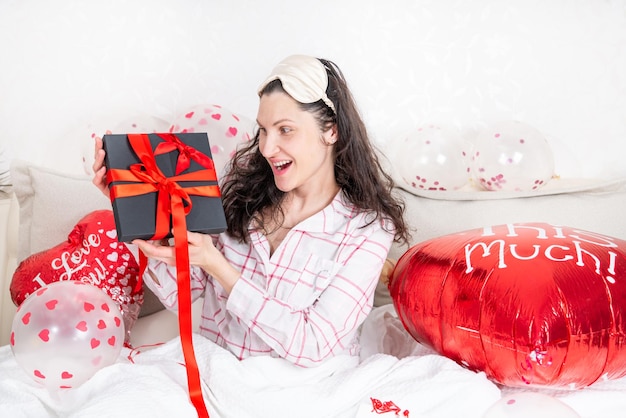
x=385, y=274
x=200, y=248
x=202, y=253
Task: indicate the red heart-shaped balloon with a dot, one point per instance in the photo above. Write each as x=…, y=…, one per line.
x=529, y=304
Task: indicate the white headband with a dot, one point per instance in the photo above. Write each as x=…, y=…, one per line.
x=303, y=77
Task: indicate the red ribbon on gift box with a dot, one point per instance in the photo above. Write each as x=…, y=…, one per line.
x=173, y=200
x=185, y=153
x=146, y=177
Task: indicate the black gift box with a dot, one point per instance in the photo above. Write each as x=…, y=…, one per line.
x=135, y=216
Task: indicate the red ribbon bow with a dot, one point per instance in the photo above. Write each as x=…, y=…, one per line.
x=185, y=153
x=173, y=201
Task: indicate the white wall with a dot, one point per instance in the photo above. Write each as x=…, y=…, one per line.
x=68, y=67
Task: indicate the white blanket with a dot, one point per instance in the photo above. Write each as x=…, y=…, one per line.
x=393, y=368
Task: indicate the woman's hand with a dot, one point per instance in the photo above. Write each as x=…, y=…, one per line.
x=157, y=250
x=202, y=253
x=385, y=274
x=99, y=169
x=200, y=249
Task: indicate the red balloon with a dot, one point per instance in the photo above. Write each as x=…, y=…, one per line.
x=91, y=254
x=529, y=304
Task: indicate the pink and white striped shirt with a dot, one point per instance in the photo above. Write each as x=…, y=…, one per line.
x=303, y=303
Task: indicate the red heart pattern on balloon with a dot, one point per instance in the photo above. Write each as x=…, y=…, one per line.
x=44, y=334
x=94, y=343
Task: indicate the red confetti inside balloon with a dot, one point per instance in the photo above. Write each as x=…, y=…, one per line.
x=511, y=156
x=431, y=158
x=529, y=304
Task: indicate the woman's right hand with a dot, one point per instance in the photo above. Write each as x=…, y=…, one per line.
x=99, y=169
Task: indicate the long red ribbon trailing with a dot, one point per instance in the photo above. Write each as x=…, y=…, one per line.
x=173, y=202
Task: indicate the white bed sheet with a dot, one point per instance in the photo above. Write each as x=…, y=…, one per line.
x=393, y=367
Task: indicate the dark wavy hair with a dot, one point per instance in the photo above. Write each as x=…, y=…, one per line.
x=248, y=189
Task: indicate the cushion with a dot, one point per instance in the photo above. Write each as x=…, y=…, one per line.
x=51, y=203
x=530, y=304
x=595, y=205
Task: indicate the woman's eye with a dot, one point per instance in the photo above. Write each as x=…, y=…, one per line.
x=285, y=130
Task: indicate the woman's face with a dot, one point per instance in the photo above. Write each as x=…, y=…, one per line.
x=299, y=153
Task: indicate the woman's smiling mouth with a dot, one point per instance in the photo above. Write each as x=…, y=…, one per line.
x=281, y=165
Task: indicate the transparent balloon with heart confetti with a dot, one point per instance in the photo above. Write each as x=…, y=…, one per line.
x=433, y=157
x=65, y=332
x=511, y=156
x=225, y=129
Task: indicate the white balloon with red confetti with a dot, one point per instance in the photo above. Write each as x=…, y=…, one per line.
x=511, y=156
x=432, y=157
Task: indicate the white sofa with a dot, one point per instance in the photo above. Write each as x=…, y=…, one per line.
x=8, y=254
x=45, y=204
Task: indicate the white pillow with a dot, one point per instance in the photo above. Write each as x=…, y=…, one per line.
x=593, y=205
x=51, y=203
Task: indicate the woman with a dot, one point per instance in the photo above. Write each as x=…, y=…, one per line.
x=310, y=221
